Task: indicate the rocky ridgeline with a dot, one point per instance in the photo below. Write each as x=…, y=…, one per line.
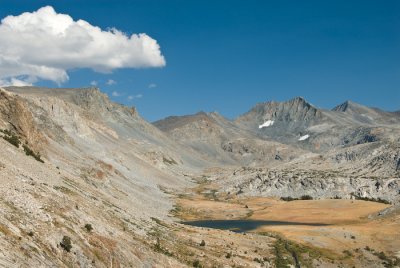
x=350, y=136
x=314, y=183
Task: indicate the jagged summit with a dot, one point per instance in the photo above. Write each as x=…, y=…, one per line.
x=342, y=107
x=349, y=106
x=296, y=101
x=294, y=110
x=300, y=100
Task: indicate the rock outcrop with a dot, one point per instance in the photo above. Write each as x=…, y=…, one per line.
x=318, y=184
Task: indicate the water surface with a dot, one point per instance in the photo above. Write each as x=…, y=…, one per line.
x=241, y=226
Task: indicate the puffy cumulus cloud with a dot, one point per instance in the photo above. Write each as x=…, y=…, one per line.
x=45, y=45
x=152, y=85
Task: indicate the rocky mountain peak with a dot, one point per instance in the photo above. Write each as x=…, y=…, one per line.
x=296, y=109
x=347, y=106
x=299, y=100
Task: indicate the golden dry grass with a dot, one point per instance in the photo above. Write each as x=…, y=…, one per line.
x=349, y=226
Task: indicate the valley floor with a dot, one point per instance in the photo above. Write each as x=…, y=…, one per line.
x=353, y=234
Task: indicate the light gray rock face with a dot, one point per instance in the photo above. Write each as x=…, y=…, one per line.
x=315, y=183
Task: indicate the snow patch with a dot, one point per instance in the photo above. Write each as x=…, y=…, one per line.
x=303, y=138
x=267, y=124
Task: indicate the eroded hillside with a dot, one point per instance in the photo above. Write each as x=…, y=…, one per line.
x=103, y=166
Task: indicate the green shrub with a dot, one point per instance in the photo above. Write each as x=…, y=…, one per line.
x=66, y=243
x=288, y=198
x=11, y=138
x=303, y=197
x=14, y=140
x=160, y=249
x=88, y=227
x=170, y=161
x=381, y=255
x=197, y=264
x=257, y=260
x=388, y=262
x=28, y=151
x=347, y=253
x=371, y=199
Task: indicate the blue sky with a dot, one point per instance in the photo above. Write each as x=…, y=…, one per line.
x=226, y=56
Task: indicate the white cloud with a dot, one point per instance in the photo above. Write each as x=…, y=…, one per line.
x=111, y=82
x=15, y=82
x=116, y=94
x=93, y=83
x=138, y=96
x=45, y=45
x=152, y=85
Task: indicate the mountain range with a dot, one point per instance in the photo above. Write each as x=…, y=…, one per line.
x=283, y=131
x=71, y=157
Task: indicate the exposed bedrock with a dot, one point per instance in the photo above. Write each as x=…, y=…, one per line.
x=317, y=184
